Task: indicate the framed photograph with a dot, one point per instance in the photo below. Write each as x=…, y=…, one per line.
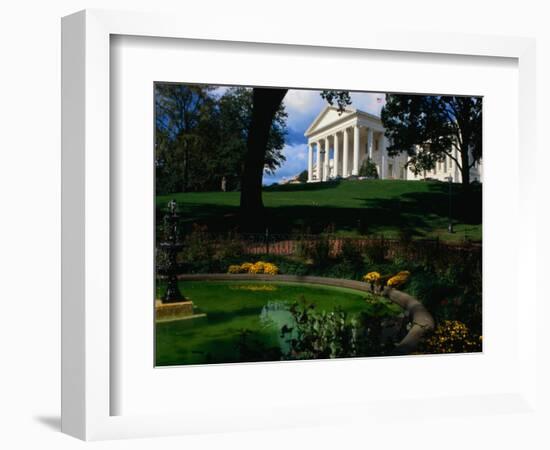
x=239, y=237
x=381, y=203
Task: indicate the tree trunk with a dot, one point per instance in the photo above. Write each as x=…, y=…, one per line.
x=465, y=169
x=265, y=103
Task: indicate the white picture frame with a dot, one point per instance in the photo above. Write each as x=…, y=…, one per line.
x=87, y=386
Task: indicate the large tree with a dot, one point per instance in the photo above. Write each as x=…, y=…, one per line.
x=265, y=104
x=430, y=127
x=182, y=112
x=235, y=109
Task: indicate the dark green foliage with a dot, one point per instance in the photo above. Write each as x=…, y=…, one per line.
x=183, y=118
x=198, y=246
x=252, y=348
x=302, y=178
x=200, y=137
x=429, y=127
x=317, y=250
x=321, y=334
x=375, y=252
x=341, y=98
x=350, y=261
x=368, y=169
x=229, y=248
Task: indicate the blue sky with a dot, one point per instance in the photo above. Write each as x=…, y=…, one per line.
x=302, y=107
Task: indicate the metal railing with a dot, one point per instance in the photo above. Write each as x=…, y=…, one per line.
x=287, y=244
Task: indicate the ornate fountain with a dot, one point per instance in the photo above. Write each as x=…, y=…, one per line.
x=172, y=246
x=173, y=305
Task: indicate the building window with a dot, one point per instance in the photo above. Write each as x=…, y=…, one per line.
x=390, y=170
x=376, y=143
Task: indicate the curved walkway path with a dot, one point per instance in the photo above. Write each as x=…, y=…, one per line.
x=421, y=320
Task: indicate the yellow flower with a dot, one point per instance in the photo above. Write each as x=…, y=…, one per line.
x=257, y=267
x=234, y=269
x=371, y=277
x=270, y=269
x=452, y=336
x=399, y=279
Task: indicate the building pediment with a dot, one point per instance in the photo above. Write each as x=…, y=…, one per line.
x=327, y=117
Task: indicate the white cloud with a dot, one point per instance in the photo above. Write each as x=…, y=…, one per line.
x=296, y=162
x=303, y=101
x=302, y=107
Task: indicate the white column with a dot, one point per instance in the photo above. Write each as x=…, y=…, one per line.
x=345, y=156
x=319, y=162
x=309, y=161
x=384, y=159
x=370, y=142
x=355, y=170
x=326, y=168
x=336, y=155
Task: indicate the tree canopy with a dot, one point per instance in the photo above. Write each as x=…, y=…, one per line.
x=201, y=137
x=430, y=127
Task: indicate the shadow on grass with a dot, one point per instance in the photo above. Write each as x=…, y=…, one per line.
x=416, y=213
x=303, y=187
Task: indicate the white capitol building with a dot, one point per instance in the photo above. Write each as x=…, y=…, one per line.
x=339, y=143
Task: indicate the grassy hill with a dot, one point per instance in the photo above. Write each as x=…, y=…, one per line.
x=350, y=207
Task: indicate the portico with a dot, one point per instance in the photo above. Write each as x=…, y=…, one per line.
x=339, y=143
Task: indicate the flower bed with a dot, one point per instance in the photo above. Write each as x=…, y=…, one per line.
x=259, y=267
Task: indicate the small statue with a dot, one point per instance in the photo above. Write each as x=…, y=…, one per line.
x=172, y=206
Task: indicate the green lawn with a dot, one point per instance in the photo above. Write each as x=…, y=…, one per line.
x=233, y=306
x=351, y=207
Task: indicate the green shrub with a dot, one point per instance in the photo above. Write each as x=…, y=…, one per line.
x=351, y=252
x=336, y=334
x=375, y=251
x=302, y=178
x=229, y=248
x=198, y=246
x=317, y=250
x=368, y=169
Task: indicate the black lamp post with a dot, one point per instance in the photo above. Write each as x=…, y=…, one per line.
x=172, y=246
x=450, y=227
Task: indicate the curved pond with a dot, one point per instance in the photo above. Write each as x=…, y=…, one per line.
x=244, y=319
